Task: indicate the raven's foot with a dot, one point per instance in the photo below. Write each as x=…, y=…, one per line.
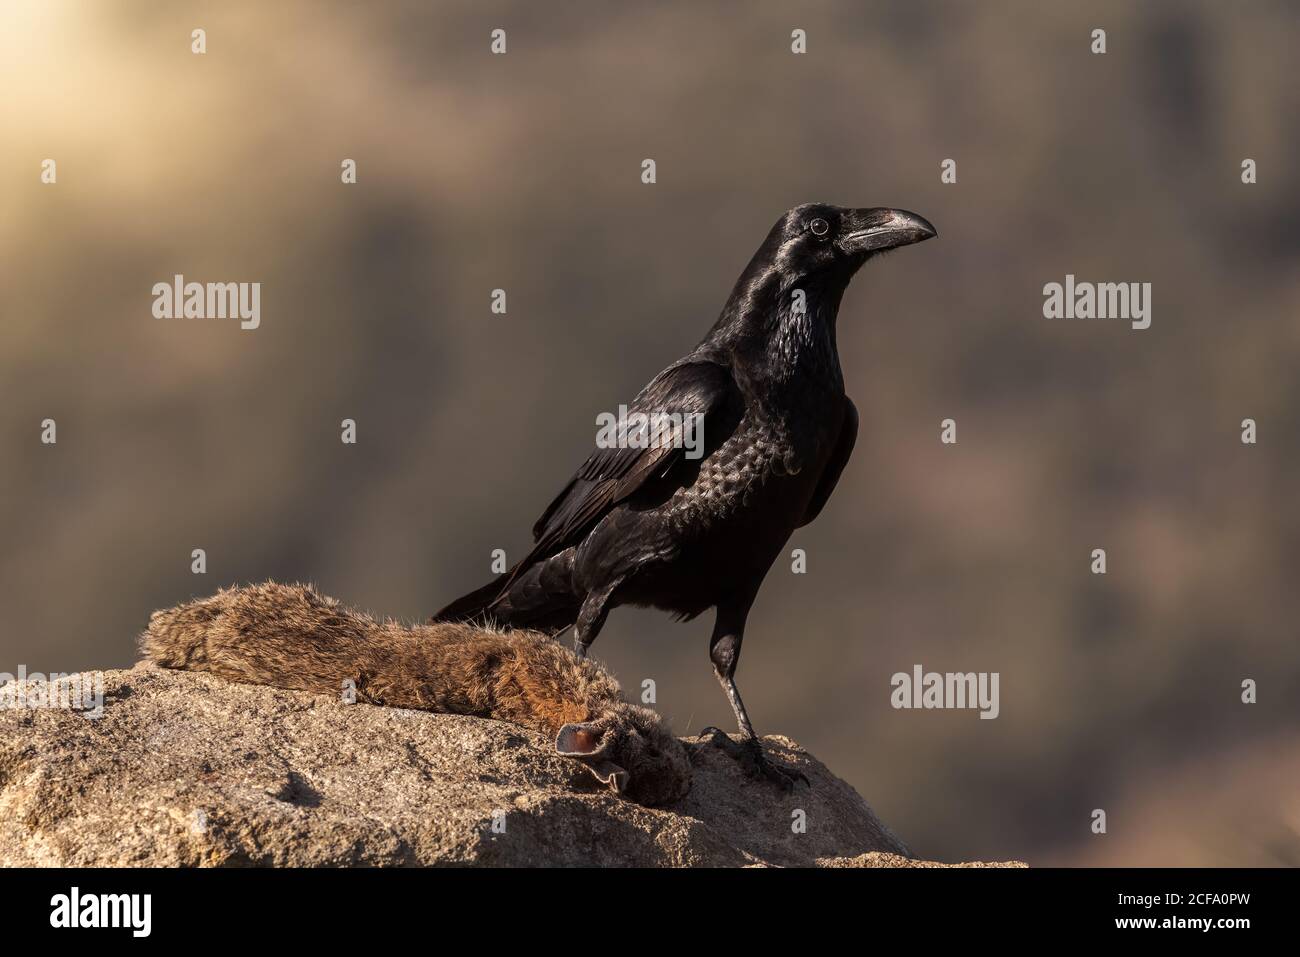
x=748, y=753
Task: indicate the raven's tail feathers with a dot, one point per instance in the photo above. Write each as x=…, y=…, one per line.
x=473, y=606
x=542, y=596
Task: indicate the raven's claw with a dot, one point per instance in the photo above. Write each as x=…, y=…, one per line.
x=748, y=753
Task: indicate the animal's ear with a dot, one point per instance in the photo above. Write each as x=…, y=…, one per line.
x=588, y=744
x=607, y=772
x=579, y=740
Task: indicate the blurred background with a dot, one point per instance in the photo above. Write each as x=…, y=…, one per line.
x=522, y=172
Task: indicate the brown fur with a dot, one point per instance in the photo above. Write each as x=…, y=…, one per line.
x=289, y=636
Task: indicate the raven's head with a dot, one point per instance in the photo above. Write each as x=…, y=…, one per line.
x=831, y=241
x=792, y=286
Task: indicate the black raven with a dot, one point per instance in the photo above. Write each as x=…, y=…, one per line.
x=685, y=522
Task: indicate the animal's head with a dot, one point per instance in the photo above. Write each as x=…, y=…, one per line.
x=630, y=749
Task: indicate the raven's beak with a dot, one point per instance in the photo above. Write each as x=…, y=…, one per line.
x=874, y=230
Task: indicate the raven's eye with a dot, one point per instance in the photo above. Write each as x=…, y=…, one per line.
x=819, y=227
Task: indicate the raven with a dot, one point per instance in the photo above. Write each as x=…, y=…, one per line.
x=686, y=523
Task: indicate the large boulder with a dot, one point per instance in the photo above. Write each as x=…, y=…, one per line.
x=186, y=769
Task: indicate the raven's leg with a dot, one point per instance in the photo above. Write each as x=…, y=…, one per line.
x=595, y=609
x=724, y=652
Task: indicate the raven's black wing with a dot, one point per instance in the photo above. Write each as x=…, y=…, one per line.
x=692, y=387
x=613, y=474
x=835, y=464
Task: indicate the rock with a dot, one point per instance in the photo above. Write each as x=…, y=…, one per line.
x=186, y=769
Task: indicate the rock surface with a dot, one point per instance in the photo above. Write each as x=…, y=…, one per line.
x=186, y=769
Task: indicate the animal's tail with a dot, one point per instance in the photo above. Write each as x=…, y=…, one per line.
x=542, y=596
x=291, y=636
x=286, y=635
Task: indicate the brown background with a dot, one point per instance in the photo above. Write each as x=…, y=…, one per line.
x=522, y=171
